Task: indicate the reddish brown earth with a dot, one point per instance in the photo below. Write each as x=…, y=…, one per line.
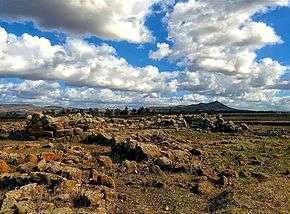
x=86, y=164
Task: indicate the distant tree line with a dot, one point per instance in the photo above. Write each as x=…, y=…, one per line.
x=129, y=112
x=117, y=112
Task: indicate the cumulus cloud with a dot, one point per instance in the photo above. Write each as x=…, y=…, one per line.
x=217, y=36
x=77, y=63
x=217, y=41
x=107, y=19
x=162, y=51
x=52, y=93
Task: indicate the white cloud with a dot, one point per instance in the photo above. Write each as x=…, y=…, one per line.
x=219, y=36
x=52, y=93
x=162, y=51
x=77, y=63
x=195, y=98
x=217, y=41
x=107, y=19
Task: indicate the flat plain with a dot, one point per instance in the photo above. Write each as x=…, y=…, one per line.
x=80, y=163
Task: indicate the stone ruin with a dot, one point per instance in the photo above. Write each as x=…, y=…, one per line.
x=77, y=127
x=81, y=128
x=214, y=123
x=70, y=129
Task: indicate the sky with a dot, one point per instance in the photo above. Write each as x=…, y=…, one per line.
x=109, y=53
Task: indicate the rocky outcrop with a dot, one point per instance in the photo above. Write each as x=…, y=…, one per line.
x=133, y=150
x=215, y=124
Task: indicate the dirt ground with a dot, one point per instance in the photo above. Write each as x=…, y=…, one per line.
x=186, y=171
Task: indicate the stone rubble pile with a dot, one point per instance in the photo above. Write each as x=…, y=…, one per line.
x=73, y=128
x=77, y=128
x=61, y=179
x=215, y=124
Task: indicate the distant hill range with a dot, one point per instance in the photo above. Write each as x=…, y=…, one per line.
x=21, y=109
x=201, y=107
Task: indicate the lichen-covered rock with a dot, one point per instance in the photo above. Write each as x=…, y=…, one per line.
x=29, y=191
x=31, y=158
x=26, y=167
x=70, y=187
x=52, y=156
x=101, y=179
x=100, y=139
x=4, y=168
x=63, y=210
x=49, y=179
x=203, y=187
x=105, y=161
x=21, y=200
x=130, y=166
x=95, y=196
x=133, y=150
x=64, y=132
x=63, y=170
x=147, y=151
x=164, y=163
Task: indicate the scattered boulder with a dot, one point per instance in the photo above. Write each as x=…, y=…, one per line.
x=220, y=202
x=164, y=163
x=215, y=124
x=4, y=168
x=51, y=156
x=64, y=132
x=105, y=161
x=130, y=166
x=146, y=151
x=26, y=167
x=99, y=139
x=94, y=196
x=133, y=150
x=31, y=158
x=63, y=170
x=101, y=179
x=63, y=210
x=196, y=152
x=203, y=187
x=260, y=176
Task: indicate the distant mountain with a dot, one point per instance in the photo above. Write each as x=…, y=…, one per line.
x=201, y=107
x=19, y=108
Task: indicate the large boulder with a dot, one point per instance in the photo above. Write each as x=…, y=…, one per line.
x=216, y=124
x=105, y=161
x=99, y=139
x=147, y=151
x=64, y=132
x=133, y=150
x=101, y=179
x=63, y=170
x=21, y=200
x=4, y=168
x=48, y=123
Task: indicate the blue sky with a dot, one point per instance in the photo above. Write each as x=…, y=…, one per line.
x=279, y=19
x=165, y=54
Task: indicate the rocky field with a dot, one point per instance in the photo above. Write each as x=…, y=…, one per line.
x=160, y=164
